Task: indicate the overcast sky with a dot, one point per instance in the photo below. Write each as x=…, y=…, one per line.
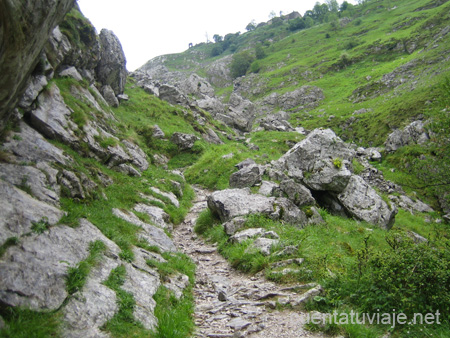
x=148, y=28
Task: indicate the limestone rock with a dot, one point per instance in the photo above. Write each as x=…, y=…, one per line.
x=34, y=274
x=211, y=137
x=111, y=69
x=29, y=177
x=110, y=96
x=157, y=132
x=324, y=175
x=263, y=245
x=362, y=202
x=170, y=195
x=71, y=72
x=90, y=308
x=153, y=235
x=177, y=283
x=248, y=176
x=138, y=157
x=30, y=146
x=172, y=95
x=287, y=211
x=183, y=141
x=413, y=133
x=238, y=202
x=306, y=96
x=21, y=54
x=19, y=211
x=136, y=282
x=320, y=144
x=51, y=118
x=297, y=193
x=157, y=215
x=35, y=86
x=233, y=225
x=268, y=188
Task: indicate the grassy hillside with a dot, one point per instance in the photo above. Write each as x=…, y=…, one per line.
x=387, y=57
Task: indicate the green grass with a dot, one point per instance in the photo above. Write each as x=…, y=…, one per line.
x=123, y=324
x=77, y=275
x=24, y=323
x=175, y=316
x=10, y=241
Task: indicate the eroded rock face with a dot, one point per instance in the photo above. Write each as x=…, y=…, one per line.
x=363, y=203
x=20, y=49
x=34, y=273
x=183, y=141
x=111, y=69
x=20, y=211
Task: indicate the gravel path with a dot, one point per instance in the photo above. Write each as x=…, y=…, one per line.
x=230, y=303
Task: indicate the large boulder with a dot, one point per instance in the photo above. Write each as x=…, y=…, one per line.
x=413, y=133
x=318, y=145
x=111, y=69
x=183, y=141
x=248, y=176
x=296, y=192
x=230, y=203
x=22, y=41
x=362, y=202
x=172, y=95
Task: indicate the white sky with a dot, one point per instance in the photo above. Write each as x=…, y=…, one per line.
x=149, y=28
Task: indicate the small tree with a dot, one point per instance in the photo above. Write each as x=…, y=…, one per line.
x=241, y=63
x=217, y=38
x=251, y=26
x=259, y=52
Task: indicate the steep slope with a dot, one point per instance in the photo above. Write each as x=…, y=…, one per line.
x=96, y=172
x=382, y=62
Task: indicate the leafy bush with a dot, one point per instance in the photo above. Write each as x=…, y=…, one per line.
x=408, y=277
x=241, y=63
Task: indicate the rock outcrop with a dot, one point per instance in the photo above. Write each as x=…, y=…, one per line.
x=22, y=42
x=111, y=69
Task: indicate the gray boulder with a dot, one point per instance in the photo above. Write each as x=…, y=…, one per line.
x=233, y=225
x=35, y=86
x=138, y=157
x=157, y=215
x=111, y=69
x=52, y=117
x=268, y=188
x=288, y=212
x=183, y=141
x=231, y=203
x=153, y=235
x=248, y=176
x=413, y=133
x=110, y=96
x=211, y=137
x=305, y=97
x=263, y=245
x=212, y=105
x=297, y=193
x=172, y=95
x=363, y=203
x=324, y=175
x=157, y=132
x=71, y=72
x=20, y=211
x=320, y=144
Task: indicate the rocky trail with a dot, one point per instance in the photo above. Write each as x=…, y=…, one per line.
x=233, y=304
